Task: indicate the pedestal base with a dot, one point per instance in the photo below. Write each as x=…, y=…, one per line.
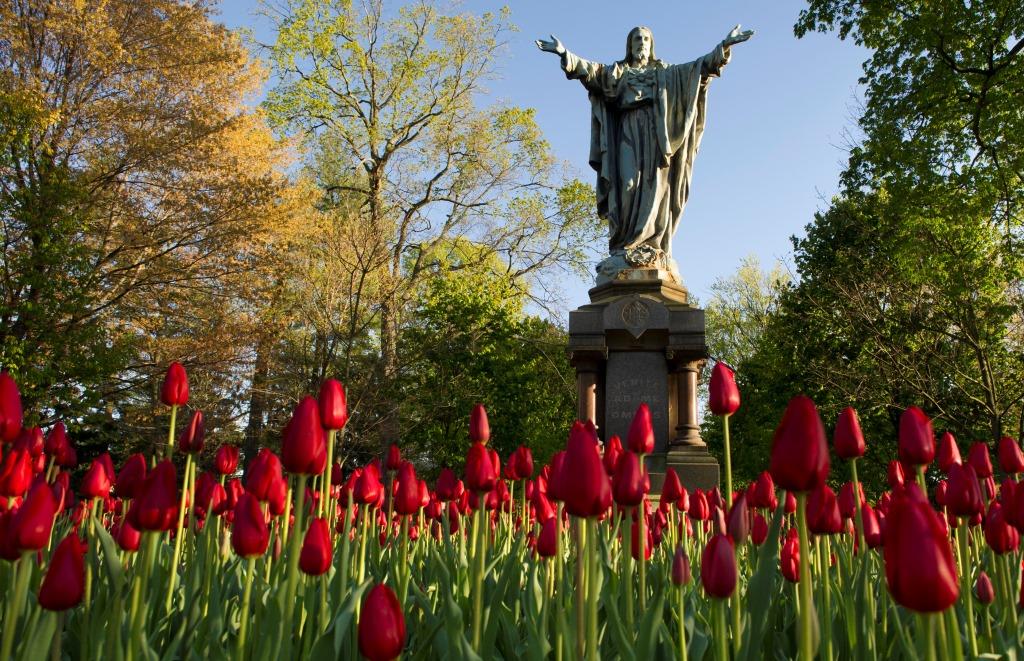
x=695, y=467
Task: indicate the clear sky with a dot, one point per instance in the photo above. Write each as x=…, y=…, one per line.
x=779, y=119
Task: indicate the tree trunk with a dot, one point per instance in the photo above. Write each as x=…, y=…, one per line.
x=257, y=403
x=388, y=371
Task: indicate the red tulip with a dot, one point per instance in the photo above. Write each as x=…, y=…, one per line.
x=15, y=473
x=407, y=494
x=263, y=475
x=96, y=483
x=303, y=446
x=848, y=503
x=894, y=475
x=394, y=459
x=10, y=408
x=872, y=526
x=1001, y=536
x=481, y=475
x=699, y=509
x=612, y=453
x=799, y=456
x=582, y=480
x=641, y=431
x=718, y=567
x=848, y=439
x=724, y=396
x=226, y=459
x=131, y=478
x=381, y=625
x=789, y=557
x=631, y=483
x=919, y=566
x=635, y=541
x=739, y=520
x=522, y=463
x=63, y=585
x=156, y=505
x=174, y=391
x=1010, y=458
x=948, y=453
x=963, y=493
x=823, y=517
x=250, y=536
x=33, y=521
x=332, y=405
x=680, y=567
x=208, y=493
x=983, y=589
x=193, y=436
x=449, y=487
x=759, y=531
x=979, y=458
x=316, y=554
x=763, y=494
x=547, y=542
x=126, y=536
x=916, y=439
x=368, y=489
x=671, y=488
x=479, y=428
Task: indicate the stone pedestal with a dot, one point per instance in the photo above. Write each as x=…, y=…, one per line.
x=639, y=340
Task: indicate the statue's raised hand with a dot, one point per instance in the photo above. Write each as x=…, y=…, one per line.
x=554, y=46
x=737, y=37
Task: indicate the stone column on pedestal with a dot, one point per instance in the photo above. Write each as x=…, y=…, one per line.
x=688, y=428
x=586, y=391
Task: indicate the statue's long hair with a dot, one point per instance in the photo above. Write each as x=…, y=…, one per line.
x=652, y=58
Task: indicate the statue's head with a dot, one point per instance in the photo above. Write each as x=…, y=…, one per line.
x=640, y=46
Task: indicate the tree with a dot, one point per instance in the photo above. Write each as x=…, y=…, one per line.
x=386, y=100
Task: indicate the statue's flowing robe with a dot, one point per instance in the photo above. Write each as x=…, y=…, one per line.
x=646, y=128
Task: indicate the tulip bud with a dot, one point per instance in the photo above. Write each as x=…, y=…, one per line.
x=174, y=391
x=481, y=475
x=479, y=428
x=316, y=554
x=848, y=439
x=15, y=473
x=699, y=509
x=407, y=495
x=263, y=475
x=33, y=521
x=872, y=526
x=156, y=505
x=126, y=536
x=963, y=493
x=381, y=625
x=612, y=454
x=723, y=395
x=193, y=436
x=131, y=478
x=823, y=517
x=848, y=502
x=333, y=407
x=368, y=490
x=739, y=520
x=1001, y=537
x=226, y=460
x=718, y=567
x=394, y=458
x=1010, y=458
x=680, y=567
x=979, y=458
x=448, y=486
x=763, y=494
x=10, y=408
x=582, y=481
x=759, y=530
x=984, y=590
x=96, y=483
x=919, y=567
x=250, y=536
x=641, y=431
x=789, y=557
x=303, y=446
x=799, y=456
x=895, y=475
x=671, y=488
x=631, y=483
x=63, y=585
x=948, y=453
x=916, y=440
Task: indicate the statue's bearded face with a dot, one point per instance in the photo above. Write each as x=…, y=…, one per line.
x=640, y=46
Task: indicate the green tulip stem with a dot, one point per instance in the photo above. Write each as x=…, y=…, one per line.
x=926, y=626
x=1011, y=588
x=806, y=610
x=186, y=495
x=952, y=630
x=721, y=644
x=824, y=561
x=17, y=604
x=581, y=589
x=244, y=614
x=479, y=545
x=592, y=590
x=965, y=584
x=345, y=546
x=858, y=514
x=627, y=561
x=681, y=594
x=325, y=483
x=728, y=463
x=641, y=518
x=403, y=568
x=294, y=547
x=170, y=432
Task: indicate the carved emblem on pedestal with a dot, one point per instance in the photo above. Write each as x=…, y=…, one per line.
x=635, y=315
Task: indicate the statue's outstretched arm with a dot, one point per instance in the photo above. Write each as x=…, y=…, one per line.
x=573, y=65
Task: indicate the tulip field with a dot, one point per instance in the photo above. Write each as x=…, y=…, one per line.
x=300, y=556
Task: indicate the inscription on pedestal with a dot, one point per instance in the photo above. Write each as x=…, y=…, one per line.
x=633, y=378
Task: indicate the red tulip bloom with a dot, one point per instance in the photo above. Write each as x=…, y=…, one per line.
x=699, y=509
x=963, y=492
x=479, y=428
x=823, y=516
x=641, y=431
x=718, y=567
x=126, y=536
x=916, y=439
x=394, y=459
x=33, y=521
x=583, y=483
x=631, y=483
x=481, y=475
x=449, y=487
x=759, y=531
x=635, y=540
x=872, y=527
x=368, y=489
x=799, y=456
x=315, y=558
x=226, y=459
x=381, y=625
x=250, y=536
x=407, y=493
x=156, y=505
x=131, y=478
x=789, y=557
x=263, y=474
x=96, y=483
x=738, y=524
x=63, y=585
x=724, y=396
x=522, y=463
x=174, y=391
x=894, y=475
x=919, y=566
x=979, y=458
x=763, y=494
x=848, y=503
x=1002, y=538
x=612, y=453
x=304, y=447
x=10, y=408
x=15, y=473
x=1010, y=458
x=193, y=435
x=332, y=404
x=984, y=590
x=671, y=488
x=948, y=452
x=680, y=567
x=848, y=440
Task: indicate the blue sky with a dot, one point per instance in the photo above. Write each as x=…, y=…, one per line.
x=780, y=119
